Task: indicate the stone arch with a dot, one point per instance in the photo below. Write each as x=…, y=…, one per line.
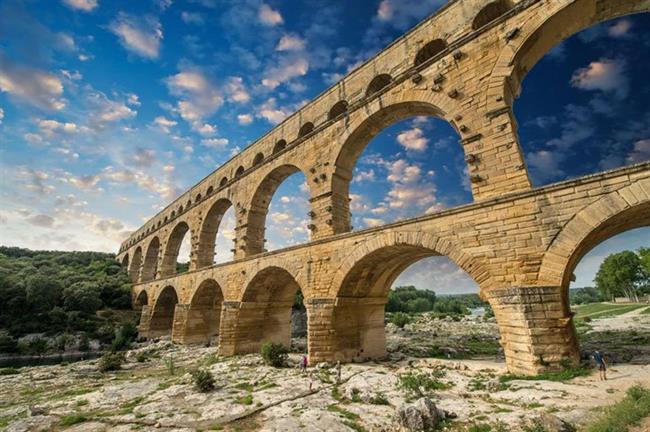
x=378, y=83
x=490, y=12
x=204, y=313
x=223, y=182
x=172, y=248
x=279, y=146
x=162, y=312
x=209, y=191
x=305, y=129
x=239, y=171
x=136, y=263
x=543, y=32
x=259, y=206
x=125, y=262
x=362, y=283
x=150, y=265
x=362, y=132
x=208, y=232
x=339, y=108
x=429, y=51
x=611, y=214
x=258, y=159
x=142, y=299
x=265, y=310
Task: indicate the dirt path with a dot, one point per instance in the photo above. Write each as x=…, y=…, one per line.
x=629, y=320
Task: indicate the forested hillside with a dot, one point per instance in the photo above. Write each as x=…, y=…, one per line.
x=60, y=293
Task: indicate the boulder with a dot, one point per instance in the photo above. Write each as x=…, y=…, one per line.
x=551, y=423
x=422, y=415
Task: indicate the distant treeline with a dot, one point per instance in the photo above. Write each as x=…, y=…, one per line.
x=60, y=292
x=412, y=300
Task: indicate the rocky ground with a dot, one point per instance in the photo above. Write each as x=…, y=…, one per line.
x=157, y=393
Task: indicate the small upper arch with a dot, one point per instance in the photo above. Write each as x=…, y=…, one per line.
x=490, y=12
x=339, y=108
x=279, y=146
x=239, y=171
x=429, y=51
x=305, y=129
x=223, y=181
x=378, y=83
x=258, y=159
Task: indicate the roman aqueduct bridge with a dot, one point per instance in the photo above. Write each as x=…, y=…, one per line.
x=465, y=64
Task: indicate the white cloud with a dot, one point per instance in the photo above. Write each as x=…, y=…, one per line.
x=83, y=182
x=290, y=42
x=155, y=184
x=206, y=129
x=140, y=35
x=199, y=97
x=164, y=124
x=287, y=69
x=606, y=75
x=82, y=5
x=373, y=222
x=217, y=143
x=362, y=176
x=2, y=115
x=41, y=220
x=546, y=164
x=413, y=139
x=620, y=29
x=192, y=18
x=50, y=127
x=269, y=16
x=641, y=152
x=245, y=119
x=39, y=88
x=236, y=90
x=271, y=112
x=107, y=110
x=409, y=195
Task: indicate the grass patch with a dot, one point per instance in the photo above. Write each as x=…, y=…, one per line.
x=618, y=417
x=419, y=384
x=342, y=412
x=245, y=400
x=9, y=371
x=354, y=426
x=604, y=310
x=73, y=419
x=563, y=375
x=479, y=427
x=244, y=386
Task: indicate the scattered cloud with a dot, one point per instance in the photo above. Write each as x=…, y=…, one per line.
x=34, y=86
x=271, y=112
x=217, y=143
x=236, y=90
x=620, y=29
x=290, y=42
x=139, y=35
x=199, y=98
x=245, y=119
x=546, y=164
x=606, y=75
x=41, y=220
x=640, y=152
x=413, y=139
x=192, y=18
x=269, y=16
x=82, y=5
x=164, y=124
x=287, y=69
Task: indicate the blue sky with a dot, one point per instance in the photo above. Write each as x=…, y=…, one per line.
x=108, y=110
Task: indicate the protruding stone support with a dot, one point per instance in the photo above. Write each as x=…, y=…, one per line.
x=537, y=332
x=195, y=324
x=143, y=327
x=346, y=329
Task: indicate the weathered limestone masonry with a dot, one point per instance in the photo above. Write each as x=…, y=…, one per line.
x=465, y=64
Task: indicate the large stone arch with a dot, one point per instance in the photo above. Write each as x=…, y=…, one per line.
x=541, y=32
x=202, y=315
x=150, y=264
x=208, y=232
x=263, y=314
x=255, y=213
x=362, y=282
x=360, y=128
x=611, y=214
x=163, y=307
x=172, y=248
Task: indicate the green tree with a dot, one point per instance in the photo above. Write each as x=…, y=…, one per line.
x=620, y=275
x=83, y=297
x=43, y=292
x=644, y=256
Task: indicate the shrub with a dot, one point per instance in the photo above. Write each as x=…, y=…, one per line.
x=8, y=344
x=418, y=384
x=84, y=343
x=274, y=354
x=37, y=346
x=400, y=319
x=73, y=419
x=169, y=364
x=203, y=380
x=111, y=362
x=379, y=399
x=141, y=357
x=9, y=371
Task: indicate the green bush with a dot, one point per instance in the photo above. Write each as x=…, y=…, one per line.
x=111, y=362
x=400, y=319
x=9, y=371
x=419, y=384
x=379, y=399
x=141, y=357
x=8, y=344
x=84, y=343
x=618, y=417
x=274, y=354
x=73, y=419
x=203, y=380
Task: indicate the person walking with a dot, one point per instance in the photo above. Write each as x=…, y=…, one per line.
x=303, y=364
x=600, y=362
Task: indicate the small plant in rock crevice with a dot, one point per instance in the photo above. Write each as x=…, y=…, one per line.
x=203, y=380
x=274, y=354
